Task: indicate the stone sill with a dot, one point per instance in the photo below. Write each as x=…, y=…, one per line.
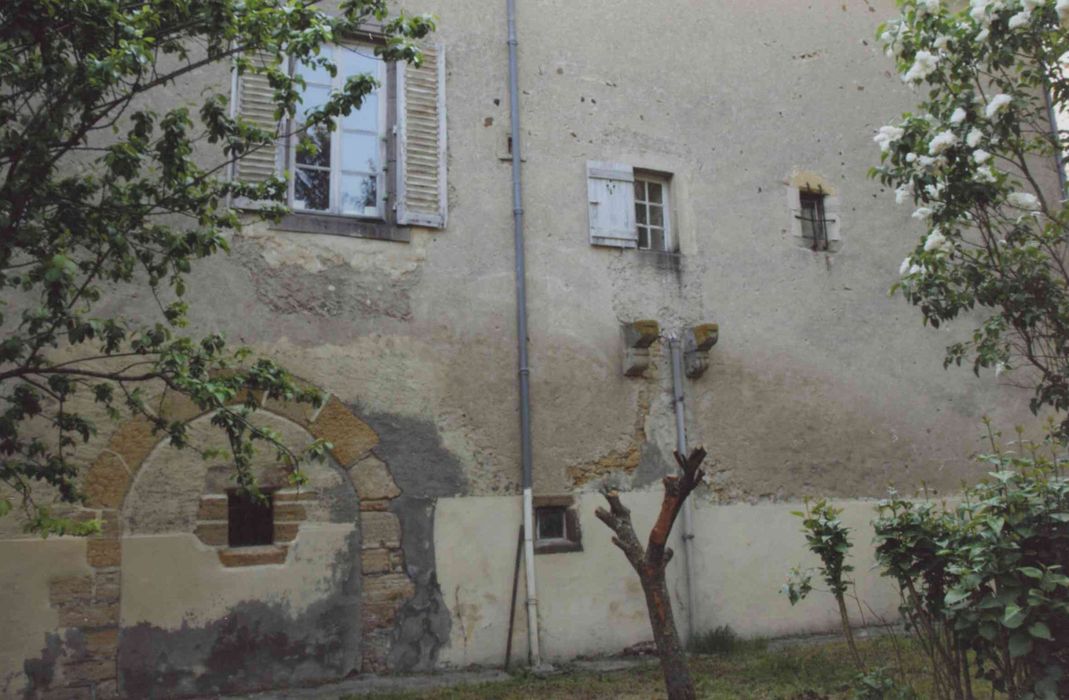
x=349, y=226
x=253, y=556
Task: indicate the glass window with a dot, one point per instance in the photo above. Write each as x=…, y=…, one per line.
x=340, y=171
x=551, y=523
x=651, y=212
x=814, y=223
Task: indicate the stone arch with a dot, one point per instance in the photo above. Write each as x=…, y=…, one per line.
x=90, y=605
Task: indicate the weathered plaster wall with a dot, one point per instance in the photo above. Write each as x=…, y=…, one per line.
x=590, y=602
x=30, y=644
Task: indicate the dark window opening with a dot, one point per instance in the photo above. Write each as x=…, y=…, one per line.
x=814, y=222
x=556, y=526
x=551, y=523
x=250, y=519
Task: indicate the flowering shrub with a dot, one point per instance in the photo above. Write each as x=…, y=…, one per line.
x=978, y=160
x=983, y=584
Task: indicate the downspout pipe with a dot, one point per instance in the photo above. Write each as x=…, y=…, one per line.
x=534, y=651
x=681, y=446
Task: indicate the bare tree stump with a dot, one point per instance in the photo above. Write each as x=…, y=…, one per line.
x=650, y=564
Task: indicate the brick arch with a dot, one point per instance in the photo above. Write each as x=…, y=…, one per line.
x=89, y=605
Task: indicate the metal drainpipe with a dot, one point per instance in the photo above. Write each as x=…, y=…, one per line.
x=533, y=647
x=681, y=446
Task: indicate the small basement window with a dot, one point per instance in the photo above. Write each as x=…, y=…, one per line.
x=250, y=520
x=556, y=525
x=813, y=219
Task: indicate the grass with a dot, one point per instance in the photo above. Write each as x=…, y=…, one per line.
x=737, y=669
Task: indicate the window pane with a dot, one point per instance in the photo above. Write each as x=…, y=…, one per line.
x=359, y=152
x=359, y=194
x=656, y=216
x=657, y=239
x=643, y=237
x=318, y=138
x=366, y=118
x=640, y=213
x=311, y=98
x=654, y=190
x=550, y=523
x=354, y=60
x=311, y=189
x=640, y=191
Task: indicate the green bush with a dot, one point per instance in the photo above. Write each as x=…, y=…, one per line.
x=987, y=576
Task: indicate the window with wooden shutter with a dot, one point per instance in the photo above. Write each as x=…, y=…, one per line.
x=421, y=147
x=254, y=102
x=611, y=204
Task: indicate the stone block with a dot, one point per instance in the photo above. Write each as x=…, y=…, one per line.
x=253, y=556
x=212, y=534
x=104, y=553
x=375, y=652
x=369, y=506
x=212, y=508
x=133, y=441
x=300, y=413
x=106, y=481
x=286, y=532
x=89, y=616
x=83, y=692
x=176, y=407
x=70, y=591
x=380, y=530
x=373, y=480
x=351, y=437
x=375, y=561
x=90, y=671
x=387, y=588
x=102, y=644
x=106, y=690
x=109, y=523
x=289, y=512
x=294, y=496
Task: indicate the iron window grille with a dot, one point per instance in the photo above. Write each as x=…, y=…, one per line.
x=813, y=219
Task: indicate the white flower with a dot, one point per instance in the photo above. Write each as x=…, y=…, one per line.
x=929, y=5
x=1030, y=5
x=922, y=213
x=941, y=41
x=934, y=190
x=981, y=36
x=924, y=64
x=981, y=156
x=984, y=174
x=958, y=116
x=974, y=138
x=935, y=241
x=910, y=157
x=915, y=268
x=1020, y=19
x=941, y=142
x=997, y=104
x=904, y=267
x=903, y=193
x=1023, y=200
x=888, y=135
x=979, y=11
x=1000, y=367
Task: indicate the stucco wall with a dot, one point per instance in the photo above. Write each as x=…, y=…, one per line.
x=590, y=602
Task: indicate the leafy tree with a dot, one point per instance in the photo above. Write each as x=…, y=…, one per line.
x=978, y=161
x=102, y=195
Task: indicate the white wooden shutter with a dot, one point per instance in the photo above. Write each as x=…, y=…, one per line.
x=254, y=102
x=611, y=204
x=421, y=148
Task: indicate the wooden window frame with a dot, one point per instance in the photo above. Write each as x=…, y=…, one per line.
x=573, y=536
x=385, y=126
x=648, y=177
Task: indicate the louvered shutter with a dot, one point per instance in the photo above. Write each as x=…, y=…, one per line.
x=611, y=204
x=421, y=148
x=254, y=102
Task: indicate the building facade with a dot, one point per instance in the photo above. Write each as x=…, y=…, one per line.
x=701, y=164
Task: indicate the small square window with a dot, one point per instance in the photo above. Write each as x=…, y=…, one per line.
x=250, y=520
x=556, y=525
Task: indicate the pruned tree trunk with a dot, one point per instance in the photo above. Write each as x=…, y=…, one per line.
x=650, y=563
